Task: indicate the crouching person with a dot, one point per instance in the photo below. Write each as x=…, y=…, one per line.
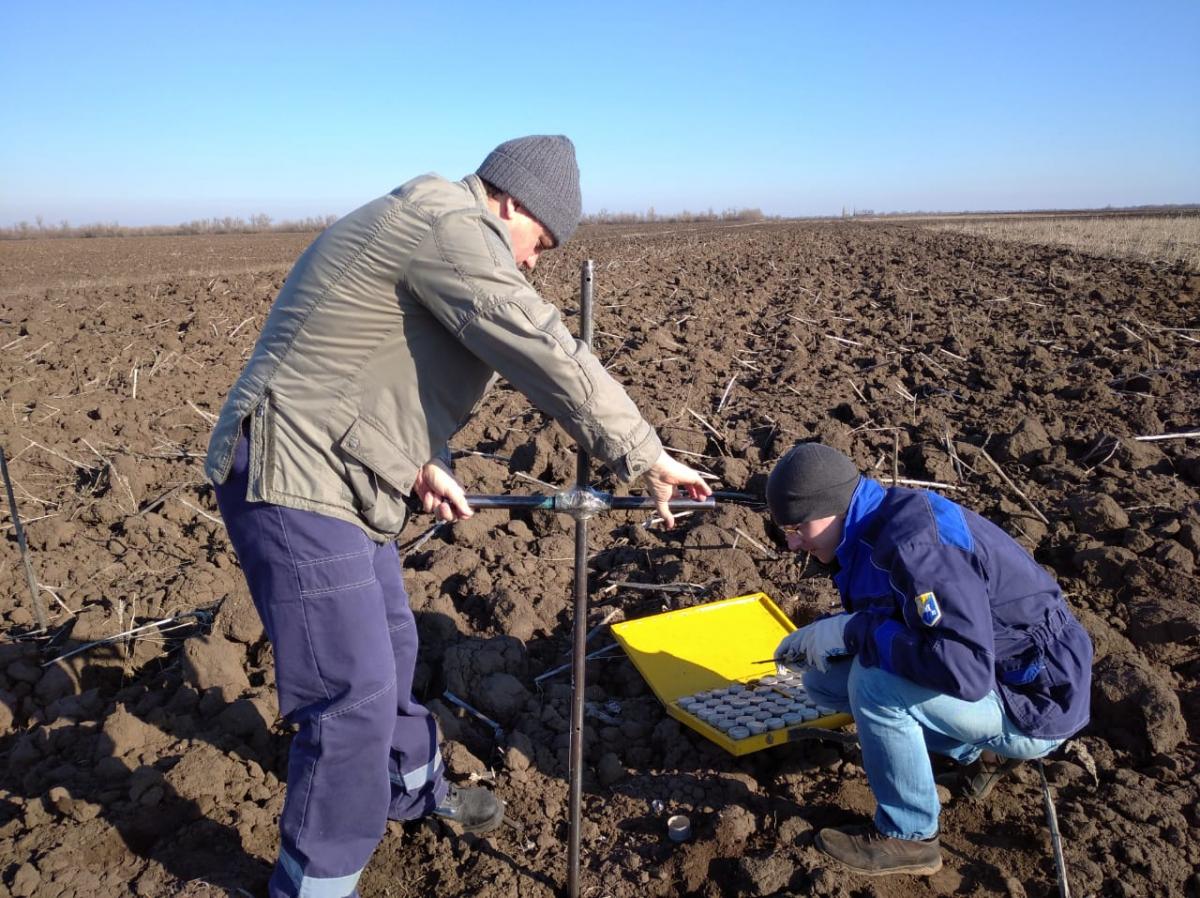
x=953, y=640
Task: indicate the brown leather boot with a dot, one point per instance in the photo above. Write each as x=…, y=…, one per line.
x=866, y=850
x=977, y=780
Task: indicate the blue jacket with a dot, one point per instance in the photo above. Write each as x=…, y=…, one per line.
x=948, y=600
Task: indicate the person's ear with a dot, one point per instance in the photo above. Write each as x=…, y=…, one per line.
x=508, y=207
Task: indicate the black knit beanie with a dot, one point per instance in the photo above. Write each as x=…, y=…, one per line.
x=541, y=174
x=811, y=481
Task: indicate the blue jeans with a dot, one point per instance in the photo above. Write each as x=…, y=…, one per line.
x=900, y=723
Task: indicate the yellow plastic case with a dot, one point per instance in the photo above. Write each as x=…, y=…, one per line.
x=712, y=646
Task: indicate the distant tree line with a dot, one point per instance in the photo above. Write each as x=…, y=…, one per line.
x=262, y=223
x=606, y=217
x=256, y=224
x=1186, y=209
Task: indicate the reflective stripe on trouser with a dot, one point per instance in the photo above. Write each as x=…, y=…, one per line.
x=333, y=604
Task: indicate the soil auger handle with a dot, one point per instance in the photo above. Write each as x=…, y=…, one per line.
x=540, y=501
x=611, y=502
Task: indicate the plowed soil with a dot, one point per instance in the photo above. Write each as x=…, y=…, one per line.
x=155, y=766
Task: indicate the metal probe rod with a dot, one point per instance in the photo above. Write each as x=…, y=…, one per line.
x=579, y=645
x=39, y=613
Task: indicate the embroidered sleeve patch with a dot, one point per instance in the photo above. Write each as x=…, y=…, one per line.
x=928, y=609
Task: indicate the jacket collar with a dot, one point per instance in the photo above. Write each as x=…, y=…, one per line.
x=475, y=185
x=479, y=192
x=868, y=496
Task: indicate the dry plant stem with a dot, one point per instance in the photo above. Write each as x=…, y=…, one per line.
x=750, y=539
x=1060, y=863
x=201, y=512
x=725, y=395
x=1190, y=435
x=240, y=326
x=1152, y=371
x=710, y=429
x=43, y=517
x=842, y=340
x=591, y=655
x=477, y=454
x=72, y=462
x=895, y=457
x=159, y=625
x=423, y=538
x=659, y=587
x=39, y=612
x=1101, y=442
x=1116, y=444
x=1016, y=489
x=959, y=464
x=928, y=484
x=207, y=416
x=61, y=603
x=591, y=634
x=524, y=476
x=650, y=522
x=164, y=497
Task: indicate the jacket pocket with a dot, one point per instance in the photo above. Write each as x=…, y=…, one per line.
x=1022, y=669
x=379, y=473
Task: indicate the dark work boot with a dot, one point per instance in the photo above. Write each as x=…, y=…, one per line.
x=977, y=780
x=865, y=850
x=474, y=808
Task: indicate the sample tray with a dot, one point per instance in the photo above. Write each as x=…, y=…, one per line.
x=695, y=655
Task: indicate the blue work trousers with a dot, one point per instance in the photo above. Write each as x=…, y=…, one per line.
x=900, y=723
x=334, y=606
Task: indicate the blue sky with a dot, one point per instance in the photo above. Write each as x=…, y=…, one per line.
x=157, y=113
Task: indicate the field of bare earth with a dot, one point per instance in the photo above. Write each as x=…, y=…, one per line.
x=1043, y=384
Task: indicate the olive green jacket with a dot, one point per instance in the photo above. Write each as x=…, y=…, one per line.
x=389, y=329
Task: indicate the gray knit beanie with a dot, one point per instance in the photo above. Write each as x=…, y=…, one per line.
x=811, y=481
x=541, y=174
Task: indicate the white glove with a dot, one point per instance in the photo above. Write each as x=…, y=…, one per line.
x=789, y=647
x=815, y=643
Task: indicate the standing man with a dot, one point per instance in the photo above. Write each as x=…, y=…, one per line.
x=389, y=329
x=954, y=640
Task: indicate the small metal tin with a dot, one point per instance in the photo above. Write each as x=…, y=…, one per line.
x=679, y=828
